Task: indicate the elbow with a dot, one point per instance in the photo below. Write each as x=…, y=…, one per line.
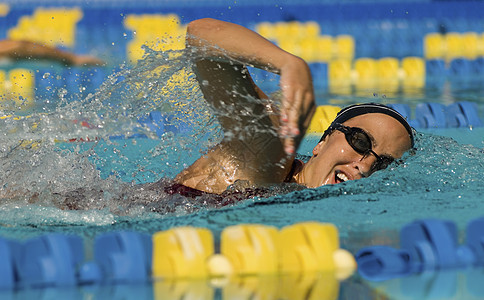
x=198, y=30
x=201, y=25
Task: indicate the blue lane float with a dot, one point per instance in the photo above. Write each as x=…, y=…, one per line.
x=124, y=257
x=425, y=245
x=431, y=115
x=7, y=267
x=57, y=260
x=463, y=114
x=432, y=244
x=475, y=238
x=382, y=263
x=50, y=260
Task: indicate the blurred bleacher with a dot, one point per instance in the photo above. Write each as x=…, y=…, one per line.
x=379, y=44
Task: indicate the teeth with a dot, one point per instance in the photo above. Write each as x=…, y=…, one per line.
x=342, y=177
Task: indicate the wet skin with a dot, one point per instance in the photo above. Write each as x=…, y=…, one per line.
x=334, y=155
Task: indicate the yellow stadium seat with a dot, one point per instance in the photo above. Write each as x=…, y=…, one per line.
x=434, y=46
x=266, y=29
x=290, y=46
x=414, y=70
x=470, y=45
x=480, y=45
x=49, y=26
x=22, y=87
x=157, y=31
x=339, y=69
x=322, y=118
x=454, y=46
x=340, y=76
x=131, y=21
x=345, y=47
x=366, y=71
x=294, y=30
x=311, y=29
x=4, y=89
x=387, y=68
x=280, y=31
x=4, y=9
x=135, y=51
x=309, y=49
x=325, y=48
x=388, y=74
x=3, y=84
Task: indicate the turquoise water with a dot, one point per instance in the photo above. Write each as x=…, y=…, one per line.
x=442, y=178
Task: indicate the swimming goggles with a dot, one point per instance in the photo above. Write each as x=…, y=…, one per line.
x=360, y=141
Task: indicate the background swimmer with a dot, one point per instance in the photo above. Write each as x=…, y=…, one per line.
x=362, y=143
x=11, y=49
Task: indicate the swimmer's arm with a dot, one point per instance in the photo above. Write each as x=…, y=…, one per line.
x=218, y=40
x=30, y=50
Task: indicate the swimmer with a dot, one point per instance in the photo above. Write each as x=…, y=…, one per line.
x=17, y=50
x=362, y=139
x=258, y=148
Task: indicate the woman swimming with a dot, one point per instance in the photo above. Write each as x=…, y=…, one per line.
x=258, y=148
x=362, y=139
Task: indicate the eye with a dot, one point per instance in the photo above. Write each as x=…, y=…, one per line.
x=360, y=142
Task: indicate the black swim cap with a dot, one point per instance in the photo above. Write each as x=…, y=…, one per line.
x=368, y=108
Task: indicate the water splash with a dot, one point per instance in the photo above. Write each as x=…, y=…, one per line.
x=39, y=166
x=79, y=155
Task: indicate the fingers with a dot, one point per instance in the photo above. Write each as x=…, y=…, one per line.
x=295, y=109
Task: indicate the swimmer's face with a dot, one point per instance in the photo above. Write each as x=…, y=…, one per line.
x=335, y=161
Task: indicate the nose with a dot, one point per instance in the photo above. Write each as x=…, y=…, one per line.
x=364, y=165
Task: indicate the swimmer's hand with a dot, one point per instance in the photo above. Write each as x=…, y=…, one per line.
x=298, y=104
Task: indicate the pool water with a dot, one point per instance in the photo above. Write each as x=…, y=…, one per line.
x=442, y=178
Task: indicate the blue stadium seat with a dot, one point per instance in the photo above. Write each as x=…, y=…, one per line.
x=460, y=67
x=319, y=72
x=435, y=73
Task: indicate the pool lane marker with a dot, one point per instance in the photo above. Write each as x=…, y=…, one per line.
x=426, y=245
x=183, y=253
x=250, y=249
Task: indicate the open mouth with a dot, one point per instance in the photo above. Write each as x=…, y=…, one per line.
x=340, y=177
